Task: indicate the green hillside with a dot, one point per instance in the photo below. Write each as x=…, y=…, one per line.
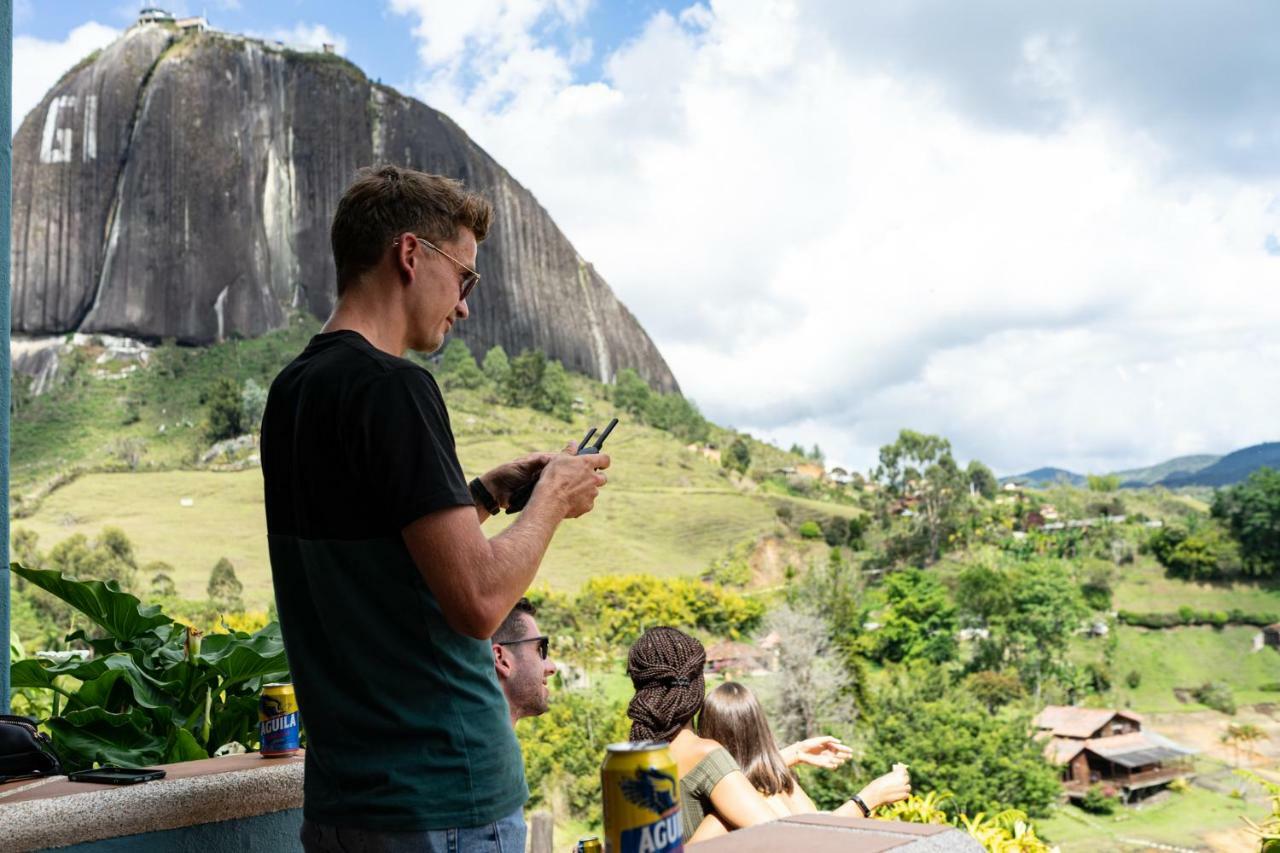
x=667, y=510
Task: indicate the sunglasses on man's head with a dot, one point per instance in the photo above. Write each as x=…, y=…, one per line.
x=543, y=642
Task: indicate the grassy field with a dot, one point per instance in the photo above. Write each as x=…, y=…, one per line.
x=1143, y=587
x=666, y=510
x=1183, y=820
x=1188, y=657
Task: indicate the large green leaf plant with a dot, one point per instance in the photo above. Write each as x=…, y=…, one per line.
x=154, y=691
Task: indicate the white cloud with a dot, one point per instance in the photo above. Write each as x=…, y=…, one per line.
x=38, y=64
x=313, y=36
x=826, y=251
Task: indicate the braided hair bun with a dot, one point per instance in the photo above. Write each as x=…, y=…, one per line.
x=665, y=666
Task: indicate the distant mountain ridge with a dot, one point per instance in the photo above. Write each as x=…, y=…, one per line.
x=1196, y=470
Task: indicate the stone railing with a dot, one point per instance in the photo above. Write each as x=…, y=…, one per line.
x=241, y=802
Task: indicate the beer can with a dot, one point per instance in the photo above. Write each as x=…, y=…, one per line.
x=641, y=799
x=278, y=720
x=590, y=844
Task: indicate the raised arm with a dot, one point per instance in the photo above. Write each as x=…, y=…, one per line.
x=478, y=580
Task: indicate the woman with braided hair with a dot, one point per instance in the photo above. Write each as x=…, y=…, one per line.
x=666, y=666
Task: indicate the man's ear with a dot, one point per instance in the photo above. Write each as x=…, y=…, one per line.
x=502, y=661
x=404, y=259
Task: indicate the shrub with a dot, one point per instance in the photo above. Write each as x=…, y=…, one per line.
x=1180, y=785
x=253, y=402
x=737, y=457
x=1216, y=695
x=1133, y=679
x=225, y=410
x=1098, y=801
x=224, y=587
x=810, y=530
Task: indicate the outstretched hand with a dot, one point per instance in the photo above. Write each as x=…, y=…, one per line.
x=889, y=788
x=823, y=751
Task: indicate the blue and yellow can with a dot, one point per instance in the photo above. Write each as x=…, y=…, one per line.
x=278, y=720
x=641, y=799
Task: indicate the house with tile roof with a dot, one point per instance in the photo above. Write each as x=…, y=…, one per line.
x=1109, y=747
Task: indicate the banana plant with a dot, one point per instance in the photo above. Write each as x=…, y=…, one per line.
x=155, y=691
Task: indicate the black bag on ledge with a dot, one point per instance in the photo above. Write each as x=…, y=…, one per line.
x=24, y=750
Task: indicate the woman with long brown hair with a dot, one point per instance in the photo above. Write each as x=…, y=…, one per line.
x=666, y=666
x=732, y=716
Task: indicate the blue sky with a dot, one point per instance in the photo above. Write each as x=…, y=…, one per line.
x=377, y=38
x=1047, y=231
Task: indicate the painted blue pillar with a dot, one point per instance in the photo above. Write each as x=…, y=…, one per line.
x=6, y=175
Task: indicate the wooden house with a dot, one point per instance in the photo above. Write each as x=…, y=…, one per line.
x=1109, y=747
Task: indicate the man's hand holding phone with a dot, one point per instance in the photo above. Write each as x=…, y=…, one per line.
x=573, y=480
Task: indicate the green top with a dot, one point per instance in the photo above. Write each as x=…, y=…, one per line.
x=697, y=784
x=407, y=728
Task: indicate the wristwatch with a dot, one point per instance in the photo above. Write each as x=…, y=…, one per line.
x=483, y=497
x=866, y=812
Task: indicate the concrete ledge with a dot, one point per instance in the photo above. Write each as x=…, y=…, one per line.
x=58, y=813
x=824, y=833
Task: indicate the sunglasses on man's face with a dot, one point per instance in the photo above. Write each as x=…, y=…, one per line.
x=469, y=277
x=543, y=642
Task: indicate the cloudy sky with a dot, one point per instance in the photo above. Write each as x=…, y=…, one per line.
x=1047, y=231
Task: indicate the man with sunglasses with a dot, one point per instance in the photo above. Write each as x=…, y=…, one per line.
x=521, y=662
x=387, y=588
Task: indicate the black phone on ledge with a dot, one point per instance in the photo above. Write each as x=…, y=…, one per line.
x=116, y=775
x=521, y=495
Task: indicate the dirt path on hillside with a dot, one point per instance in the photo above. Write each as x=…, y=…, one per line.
x=1202, y=730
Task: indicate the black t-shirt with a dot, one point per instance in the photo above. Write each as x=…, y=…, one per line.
x=407, y=728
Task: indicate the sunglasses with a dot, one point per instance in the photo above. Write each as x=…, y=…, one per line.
x=543, y=642
x=470, y=278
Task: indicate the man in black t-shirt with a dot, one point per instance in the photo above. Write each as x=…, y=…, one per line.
x=387, y=589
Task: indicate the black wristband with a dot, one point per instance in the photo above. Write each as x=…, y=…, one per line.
x=484, y=497
x=866, y=812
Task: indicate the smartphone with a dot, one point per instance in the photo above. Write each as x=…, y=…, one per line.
x=116, y=775
x=522, y=495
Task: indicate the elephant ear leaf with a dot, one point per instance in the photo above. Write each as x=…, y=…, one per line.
x=238, y=659
x=118, y=613
x=96, y=736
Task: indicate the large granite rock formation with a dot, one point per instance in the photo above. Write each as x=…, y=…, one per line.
x=180, y=185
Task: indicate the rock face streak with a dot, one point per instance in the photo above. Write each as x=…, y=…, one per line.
x=181, y=186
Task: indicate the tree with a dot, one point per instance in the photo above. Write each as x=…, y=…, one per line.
x=253, y=402
x=816, y=454
x=555, y=394
x=562, y=749
x=1197, y=552
x=994, y=689
x=523, y=384
x=737, y=457
x=797, y=450
x=990, y=762
x=224, y=587
x=981, y=480
x=920, y=622
x=497, y=368
x=812, y=689
x=1103, y=482
x=921, y=466
x=225, y=410
x=459, y=367
x=630, y=392
x=677, y=415
x=1251, y=512
x=1045, y=608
